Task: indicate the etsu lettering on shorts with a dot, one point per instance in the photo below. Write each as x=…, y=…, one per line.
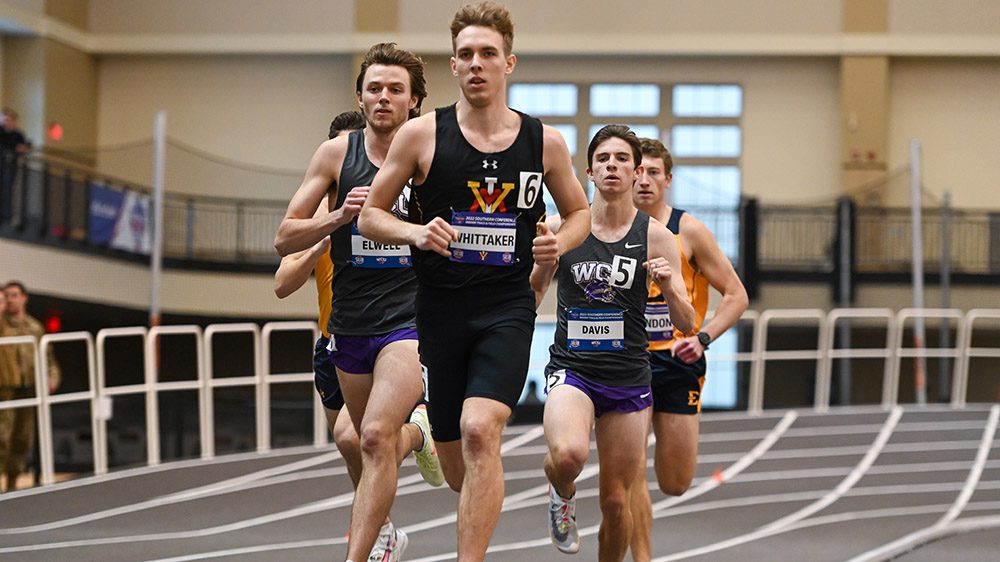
x=593, y=330
x=368, y=253
x=484, y=238
x=659, y=327
x=694, y=397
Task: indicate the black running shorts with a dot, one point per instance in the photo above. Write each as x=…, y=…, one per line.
x=676, y=385
x=474, y=343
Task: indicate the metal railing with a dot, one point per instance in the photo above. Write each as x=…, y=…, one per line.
x=99, y=392
x=59, y=201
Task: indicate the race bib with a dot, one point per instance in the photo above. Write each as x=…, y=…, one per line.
x=658, y=324
x=368, y=253
x=484, y=238
x=592, y=330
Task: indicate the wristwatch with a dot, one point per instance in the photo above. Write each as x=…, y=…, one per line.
x=704, y=339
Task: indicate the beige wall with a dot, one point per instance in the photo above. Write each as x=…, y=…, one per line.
x=71, y=93
x=947, y=17
x=221, y=16
x=640, y=16
x=24, y=82
x=268, y=111
x=953, y=108
x=72, y=12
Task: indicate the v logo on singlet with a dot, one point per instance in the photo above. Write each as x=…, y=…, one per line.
x=489, y=199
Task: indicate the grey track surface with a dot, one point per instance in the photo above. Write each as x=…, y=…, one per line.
x=786, y=485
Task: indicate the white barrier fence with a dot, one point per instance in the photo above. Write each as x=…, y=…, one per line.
x=99, y=393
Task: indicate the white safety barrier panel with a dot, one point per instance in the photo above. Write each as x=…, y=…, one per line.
x=960, y=379
x=913, y=352
x=824, y=374
x=99, y=394
x=154, y=386
x=48, y=471
x=107, y=393
x=319, y=417
x=256, y=380
x=755, y=399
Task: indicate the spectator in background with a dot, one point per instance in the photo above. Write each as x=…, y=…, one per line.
x=13, y=146
x=17, y=380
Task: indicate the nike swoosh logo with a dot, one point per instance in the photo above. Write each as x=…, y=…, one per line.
x=630, y=246
x=643, y=396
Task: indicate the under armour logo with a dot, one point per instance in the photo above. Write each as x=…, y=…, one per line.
x=487, y=164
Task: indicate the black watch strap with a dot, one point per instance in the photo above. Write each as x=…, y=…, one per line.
x=704, y=339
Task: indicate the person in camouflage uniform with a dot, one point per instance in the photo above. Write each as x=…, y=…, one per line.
x=17, y=380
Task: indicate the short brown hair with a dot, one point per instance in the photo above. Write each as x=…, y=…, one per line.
x=346, y=121
x=655, y=148
x=485, y=14
x=387, y=54
x=615, y=131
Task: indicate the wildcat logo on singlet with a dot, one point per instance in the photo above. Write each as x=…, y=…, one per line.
x=490, y=198
x=600, y=279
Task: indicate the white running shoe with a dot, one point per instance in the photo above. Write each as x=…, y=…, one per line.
x=426, y=456
x=389, y=545
x=562, y=523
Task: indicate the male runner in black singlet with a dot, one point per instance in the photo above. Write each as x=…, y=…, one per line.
x=372, y=329
x=478, y=169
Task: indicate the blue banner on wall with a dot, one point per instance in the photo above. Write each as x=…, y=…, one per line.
x=120, y=219
x=105, y=205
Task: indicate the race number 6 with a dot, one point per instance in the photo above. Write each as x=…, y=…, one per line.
x=531, y=187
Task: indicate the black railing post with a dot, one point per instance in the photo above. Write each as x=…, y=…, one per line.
x=241, y=211
x=749, y=262
x=189, y=229
x=844, y=252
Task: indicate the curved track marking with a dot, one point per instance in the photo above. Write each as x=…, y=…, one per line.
x=941, y=527
x=777, y=526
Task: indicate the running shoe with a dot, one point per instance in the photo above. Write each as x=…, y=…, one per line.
x=389, y=545
x=562, y=523
x=426, y=456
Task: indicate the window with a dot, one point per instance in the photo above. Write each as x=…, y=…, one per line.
x=544, y=99
x=707, y=100
x=722, y=141
x=641, y=100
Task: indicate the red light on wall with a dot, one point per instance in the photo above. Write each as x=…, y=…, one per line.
x=56, y=132
x=53, y=324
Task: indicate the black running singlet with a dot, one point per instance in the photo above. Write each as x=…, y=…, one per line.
x=601, y=329
x=493, y=199
x=373, y=284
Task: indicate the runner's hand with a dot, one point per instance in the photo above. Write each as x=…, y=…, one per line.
x=436, y=237
x=545, y=247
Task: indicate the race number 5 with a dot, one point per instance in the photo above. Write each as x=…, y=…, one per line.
x=530, y=189
x=622, y=272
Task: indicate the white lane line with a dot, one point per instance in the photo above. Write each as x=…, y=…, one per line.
x=172, y=465
x=747, y=501
x=977, y=468
x=847, y=483
x=710, y=484
x=307, y=509
x=216, y=488
x=736, y=468
x=402, y=489
x=778, y=525
x=916, y=538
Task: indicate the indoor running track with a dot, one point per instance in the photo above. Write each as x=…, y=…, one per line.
x=915, y=483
